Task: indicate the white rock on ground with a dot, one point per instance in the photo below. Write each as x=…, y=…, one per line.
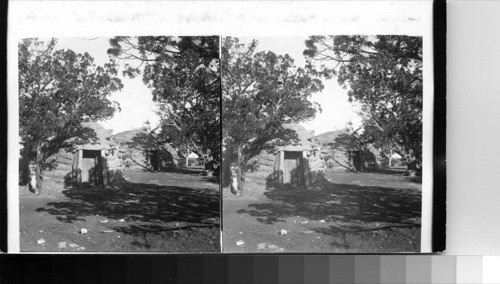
x=240, y=243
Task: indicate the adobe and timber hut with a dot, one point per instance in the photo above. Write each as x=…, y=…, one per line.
x=138, y=150
x=296, y=163
x=95, y=162
x=344, y=155
x=92, y=163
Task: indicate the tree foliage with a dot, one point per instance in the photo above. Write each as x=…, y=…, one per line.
x=262, y=92
x=184, y=75
x=58, y=90
x=384, y=76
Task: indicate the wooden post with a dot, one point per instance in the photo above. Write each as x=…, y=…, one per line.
x=104, y=168
x=74, y=168
x=276, y=167
x=79, y=169
x=281, y=168
x=305, y=169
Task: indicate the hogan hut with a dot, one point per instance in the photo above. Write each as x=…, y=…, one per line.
x=295, y=163
x=94, y=162
x=341, y=151
x=139, y=150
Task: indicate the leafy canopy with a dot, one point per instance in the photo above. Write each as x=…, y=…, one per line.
x=262, y=92
x=184, y=75
x=384, y=75
x=58, y=90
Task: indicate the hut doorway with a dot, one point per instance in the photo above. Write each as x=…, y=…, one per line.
x=91, y=167
x=154, y=159
x=292, y=168
x=357, y=160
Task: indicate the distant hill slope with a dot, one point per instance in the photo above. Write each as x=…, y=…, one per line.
x=329, y=137
x=127, y=135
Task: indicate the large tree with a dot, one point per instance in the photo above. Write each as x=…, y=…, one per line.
x=58, y=91
x=383, y=74
x=262, y=92
x=184, y=75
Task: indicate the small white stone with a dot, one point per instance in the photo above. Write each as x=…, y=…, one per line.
x=83, y=231
x=41, y=241
x=283, y=232
x=240, y=243
x=261, y=246
x=61, y=245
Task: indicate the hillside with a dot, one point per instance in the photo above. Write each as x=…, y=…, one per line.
x=127, y=135
x=328, y=137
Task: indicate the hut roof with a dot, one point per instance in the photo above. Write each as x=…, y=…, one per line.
x=306, y=140
x=104, y=139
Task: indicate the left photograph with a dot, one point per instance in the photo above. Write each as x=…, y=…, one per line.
x=119, y=144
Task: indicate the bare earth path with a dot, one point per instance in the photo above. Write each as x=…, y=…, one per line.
x=351, y=212
x=164, y=212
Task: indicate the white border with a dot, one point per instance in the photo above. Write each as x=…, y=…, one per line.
x=251, y=18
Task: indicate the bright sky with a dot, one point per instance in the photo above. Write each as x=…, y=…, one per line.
x=135, y=99
x=337, y=111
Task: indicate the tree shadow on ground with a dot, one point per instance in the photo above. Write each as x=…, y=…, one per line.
x=147, y=208
x=351, y=205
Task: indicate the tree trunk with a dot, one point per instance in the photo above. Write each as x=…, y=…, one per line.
x=390, y=159
x=35, y=182
x=236, y=177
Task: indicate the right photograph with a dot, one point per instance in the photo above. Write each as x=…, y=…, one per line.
x=322, y=144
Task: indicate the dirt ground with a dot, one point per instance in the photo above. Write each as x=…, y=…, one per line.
x=348, y=213
x=150, y=212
